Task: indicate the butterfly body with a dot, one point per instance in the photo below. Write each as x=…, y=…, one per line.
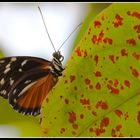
x=26, y=81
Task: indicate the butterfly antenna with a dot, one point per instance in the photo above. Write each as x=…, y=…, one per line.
x=46, y=28
x=70, y=35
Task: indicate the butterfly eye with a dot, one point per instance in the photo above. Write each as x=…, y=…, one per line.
x=58, y=56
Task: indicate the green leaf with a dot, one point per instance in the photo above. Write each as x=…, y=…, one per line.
x=99, y=92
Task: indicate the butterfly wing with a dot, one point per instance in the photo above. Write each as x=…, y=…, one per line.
x=25, y=81
x=13, y=68
x=29, y=100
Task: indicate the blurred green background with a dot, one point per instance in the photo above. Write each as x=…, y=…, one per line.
x=22, y=33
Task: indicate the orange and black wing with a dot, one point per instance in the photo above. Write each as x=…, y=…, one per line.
x=19, y=77
x=29, y=100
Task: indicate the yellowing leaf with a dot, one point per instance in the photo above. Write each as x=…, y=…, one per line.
x=99, y=92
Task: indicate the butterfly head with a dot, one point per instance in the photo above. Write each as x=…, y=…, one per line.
x=57, y=55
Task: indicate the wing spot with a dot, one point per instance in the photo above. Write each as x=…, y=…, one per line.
x=11, y=81
x=28, y=113
x=7, y=69
x=14, y=91
x=2, y=61
x=2, y=81
x=35, y=113
x=26, y=88
x=24, y=62
x=28, y=81
x=7, y=66
x=3, y=92
x=23, y=113
x=13, y=59
x=20, y=70
x=15, y=100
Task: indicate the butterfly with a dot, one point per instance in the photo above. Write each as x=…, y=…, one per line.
x=25, y=81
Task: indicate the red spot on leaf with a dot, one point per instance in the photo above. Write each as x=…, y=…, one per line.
x=103, y=18
x=90, y=86
x=62, y=130
x=116, y=131
x=89, y=30
x=124, y=52
x=75, y=126
x=127, y=83
x=73, y=132
x=111, y=57
x=110, y=82
x=138, y=117
x=98, y=74
x=107, y=40
x=118, y=112
x=85, y=53
x=99, y=131
x=81, y=116
x=106, y=78
x=98, y=86
x=104, y=122
x=65, y=81
x=118, y=127
x=91, y=129
x=85, y=38
x=121, y=87
x=66, y=101
x=71, y=117
x=87, y=81
x=115, y=91
x=107, y=28
x=94, y=39
x=137, y=28
x=75, y=88
x=45, y=130
x=85, y=102
x=96, y=58
x=113, y=133
x=72, y=78
x=94, y=113
x=126, y=115
x=101, y=34
x=134, y=72
x=103, y=58
x=116, y=82
x=131, y=42
x=117, y=57
x=128, y=13
x=112, y=89
x=139, y=36
x=97, y=39
x=118, y=21
x=91, y=56
x=97, y=24
x=78, y=51
x=102, y=105
x=136, y=56
x=134, y=14
x=138, y=104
